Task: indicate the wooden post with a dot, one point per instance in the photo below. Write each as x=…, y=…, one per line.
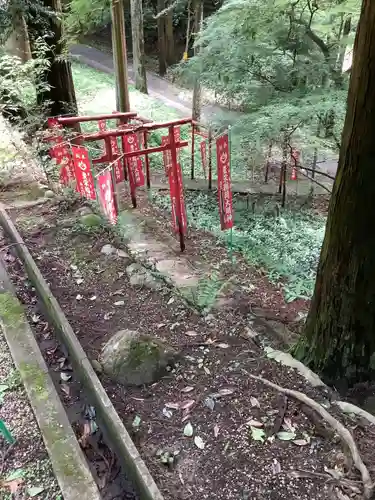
x=120, y=57
x=192, y=150
x=209, y=158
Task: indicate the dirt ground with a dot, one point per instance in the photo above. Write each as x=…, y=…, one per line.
x=248, y=442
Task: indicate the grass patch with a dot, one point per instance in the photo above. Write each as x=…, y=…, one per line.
x=287, y=247
x=95, y=92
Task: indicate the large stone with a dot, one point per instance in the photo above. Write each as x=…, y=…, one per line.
x=91, y=220
x=142, y=277
x=132, y=358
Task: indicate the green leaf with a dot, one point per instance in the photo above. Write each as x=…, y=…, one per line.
x=34, y=491
x=286, y=436
x=257, y=434
x=3, y=388
x=188, y=430
x=16, y=474
x=137, y=421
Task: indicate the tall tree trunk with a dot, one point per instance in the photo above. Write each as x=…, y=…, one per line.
x=169, y=39
x=138, y=45
x=339, y=339
x=56, y=89
x=162, y=48
x=19, y=43
x=197, y=91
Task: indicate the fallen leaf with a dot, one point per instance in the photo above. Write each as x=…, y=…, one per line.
x=185, y=405
x=206, y=370
x=79, y=297
x=35, y=319
x=257, y=434
x=191, y=333
x=14, y=485
x=167, y=413
x=93, y=298
x=136, y=421
x=187, y=389
x=34, y=491
x=254, y=402
x=73, y=267
x=174, y=406
x=160, y=325
x=198, y=441
x=79, y=281
x=300, y=442
x=288, y=426
x=210, y=403
x=222, y=346
x=286, y=436
x=254, y=423
x=185, y=416
x=216, y=431
x=65, y=389
x=188, y=430
x=119, y=303
x=276, y=467
x=65, y=377
x=170, y=301
x=16, y=474
x=226, y=392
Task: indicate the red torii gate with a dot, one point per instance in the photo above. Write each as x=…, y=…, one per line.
x=144, y=127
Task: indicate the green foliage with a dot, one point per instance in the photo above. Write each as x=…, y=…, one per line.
x=208, y=291
x=19, y=84
x=84, y=16
x=279, y=62
x=287, y=247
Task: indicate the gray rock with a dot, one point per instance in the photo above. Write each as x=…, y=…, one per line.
x=49, y=194
x=108, y=250
x=122, y=253
x=84, y=210
x=97, y=366
x=132, y=358
x=91, y=220
x=142, y=277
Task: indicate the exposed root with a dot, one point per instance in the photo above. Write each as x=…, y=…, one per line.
x=342, y=431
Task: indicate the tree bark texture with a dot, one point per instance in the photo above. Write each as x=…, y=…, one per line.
x=58, y=95
x=138, y=45
x=339, y=337
x=169, y=39
x=161, y=40
x=197, y=90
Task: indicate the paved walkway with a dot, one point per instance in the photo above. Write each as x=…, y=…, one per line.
x=172, y=95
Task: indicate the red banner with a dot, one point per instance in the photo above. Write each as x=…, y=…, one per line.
x=224, y=182
x=83, y=174
x=167, y=159
x=134, y=162
x=203, y=147
x=176, y=189
x=118, y=168
x=63, y=158
x=107, y=196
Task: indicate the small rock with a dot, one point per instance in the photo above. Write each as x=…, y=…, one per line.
x=122, y=253
x=84, y=210
x=210, y=318
x=49, y=194
x=91, y=220
x=97, y=366
x=142, y=277
x=132, y=358
x=108, y=249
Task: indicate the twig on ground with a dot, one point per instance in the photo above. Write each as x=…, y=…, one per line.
x=341, y=430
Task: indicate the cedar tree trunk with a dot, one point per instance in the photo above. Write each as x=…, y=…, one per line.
x=339, y=338
x=138, y=45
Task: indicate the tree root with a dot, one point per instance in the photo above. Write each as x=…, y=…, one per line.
x=342, y=431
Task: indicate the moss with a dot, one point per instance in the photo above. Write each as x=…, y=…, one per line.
x=91, y=220
x=141, y=351
x=11, y=311
x=35, y=375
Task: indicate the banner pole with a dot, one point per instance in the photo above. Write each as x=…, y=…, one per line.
x=230, y=170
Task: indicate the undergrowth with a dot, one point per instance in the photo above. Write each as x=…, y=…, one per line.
x=286, y=246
